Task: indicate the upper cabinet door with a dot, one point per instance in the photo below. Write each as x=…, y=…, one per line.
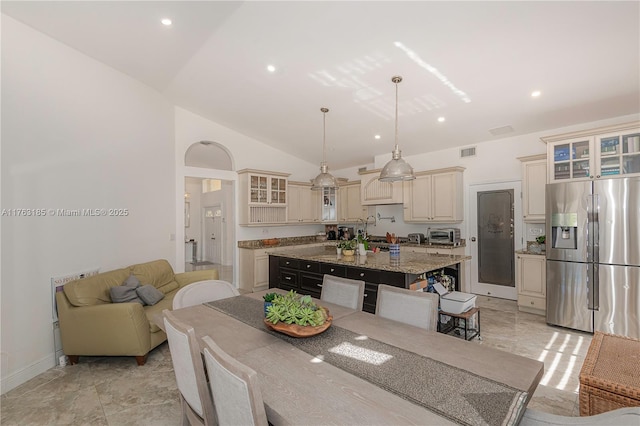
x=434, y=196
x=534, y=180
x=605, y=152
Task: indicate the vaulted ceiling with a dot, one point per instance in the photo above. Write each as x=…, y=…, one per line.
x=475, y=64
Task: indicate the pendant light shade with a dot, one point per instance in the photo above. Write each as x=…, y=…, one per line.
x=324, y=179
x=396, y=168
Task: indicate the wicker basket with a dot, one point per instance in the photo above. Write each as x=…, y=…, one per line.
x=610, y=375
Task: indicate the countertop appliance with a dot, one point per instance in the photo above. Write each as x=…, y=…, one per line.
x=416, y=238
x=450, y=236
x=593, y=255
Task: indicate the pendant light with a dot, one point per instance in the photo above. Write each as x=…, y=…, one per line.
x=324, y=179
x=396, y=168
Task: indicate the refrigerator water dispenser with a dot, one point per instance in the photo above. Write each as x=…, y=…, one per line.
x=564, y=231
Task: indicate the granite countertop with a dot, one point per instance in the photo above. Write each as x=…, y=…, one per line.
x=315, y=239
x=408, y=263
x=282, y=242
x=530, y=252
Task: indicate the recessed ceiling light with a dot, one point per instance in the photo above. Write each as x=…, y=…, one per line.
x=535, y=93
x=166, y=21
x=441, y=119
x=271, y=68
x=377, y=136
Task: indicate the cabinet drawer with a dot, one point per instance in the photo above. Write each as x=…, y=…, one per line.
x=532, y=302
x=311, y=284
x=288, y=279
x=395, y=279
x=286, y=262
x=367, y=275
x=307, y=266
x=337, y=270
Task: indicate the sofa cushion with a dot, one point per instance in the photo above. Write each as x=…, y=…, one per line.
x=157, y=273
x=94, y=290
x=149, y=294
x=155, y=311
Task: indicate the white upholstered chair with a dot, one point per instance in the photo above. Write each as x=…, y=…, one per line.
x=620, y=417
x=197, y=404
x=343, y=292
x=411, y=307
x=235, y=389
x=203, y=291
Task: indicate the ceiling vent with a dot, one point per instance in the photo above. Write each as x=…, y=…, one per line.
x=468, y=152
x=497, y=131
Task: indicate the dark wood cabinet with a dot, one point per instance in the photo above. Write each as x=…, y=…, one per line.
x=305, y=277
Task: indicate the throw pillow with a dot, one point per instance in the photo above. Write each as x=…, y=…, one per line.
x=132, y=281
x=124, y=294
x=149, y=294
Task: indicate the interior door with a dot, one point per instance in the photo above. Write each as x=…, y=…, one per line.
x=213, y=234
x=493, y=234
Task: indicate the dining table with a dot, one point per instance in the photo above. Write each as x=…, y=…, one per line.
x=367, y=370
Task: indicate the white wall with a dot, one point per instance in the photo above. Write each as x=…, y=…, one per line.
x=76, y=134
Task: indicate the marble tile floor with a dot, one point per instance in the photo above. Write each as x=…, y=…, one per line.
x=114, y=391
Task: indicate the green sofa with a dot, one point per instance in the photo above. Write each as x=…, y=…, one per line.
x=91, y=325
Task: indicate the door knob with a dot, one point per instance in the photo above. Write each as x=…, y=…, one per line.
x=473, y=239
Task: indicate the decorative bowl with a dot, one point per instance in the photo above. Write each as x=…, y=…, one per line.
x=295, y=330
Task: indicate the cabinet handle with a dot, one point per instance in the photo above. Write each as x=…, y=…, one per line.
x=365, y=295
x=332, y=269
x=308, y=266
x=532, y=302
x=362, y=274
x=287, y=278
x=287, y=262
x=319, y=285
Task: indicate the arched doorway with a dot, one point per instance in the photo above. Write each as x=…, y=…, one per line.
x=209, y=209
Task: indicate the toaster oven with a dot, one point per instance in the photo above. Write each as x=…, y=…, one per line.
x=448, y=236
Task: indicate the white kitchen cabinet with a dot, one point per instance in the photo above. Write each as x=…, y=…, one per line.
x=254, y=269
x=304, y=204
x=531, y=283
x=263, y=197
x=373, y=192
x=605, y=152
x=350, y=207
x=434, y=196
x=534, y=181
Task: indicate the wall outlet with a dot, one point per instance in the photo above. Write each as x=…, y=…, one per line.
x=265, y=231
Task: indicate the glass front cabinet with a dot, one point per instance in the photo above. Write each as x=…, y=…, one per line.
x=263, y=197
x=600, y=153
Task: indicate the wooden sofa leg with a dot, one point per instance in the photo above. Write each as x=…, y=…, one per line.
x=141, y=359
x=73, y=359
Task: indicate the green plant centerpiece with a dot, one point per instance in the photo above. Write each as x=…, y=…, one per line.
x=541, y=239
x=296, y=315
x=268, y=301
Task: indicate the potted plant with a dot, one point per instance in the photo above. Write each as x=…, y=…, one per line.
x=268, y=301
x=296, y=315
x=349, y=246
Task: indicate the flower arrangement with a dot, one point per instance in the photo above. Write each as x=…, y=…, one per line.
x=292, y=308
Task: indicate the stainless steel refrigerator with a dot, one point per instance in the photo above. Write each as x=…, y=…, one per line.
x=593, y=255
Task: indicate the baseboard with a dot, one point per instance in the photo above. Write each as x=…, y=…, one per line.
x=22, y=376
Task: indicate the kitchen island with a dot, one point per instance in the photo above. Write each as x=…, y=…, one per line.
x=302, y=270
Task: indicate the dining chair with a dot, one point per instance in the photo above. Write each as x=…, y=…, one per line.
x=203, y=291
x=629, y=416
x=343, y=291
x=416, y=308
x=235, y=389
x=197, y=404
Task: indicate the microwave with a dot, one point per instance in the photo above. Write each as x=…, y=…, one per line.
x=449, y=236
